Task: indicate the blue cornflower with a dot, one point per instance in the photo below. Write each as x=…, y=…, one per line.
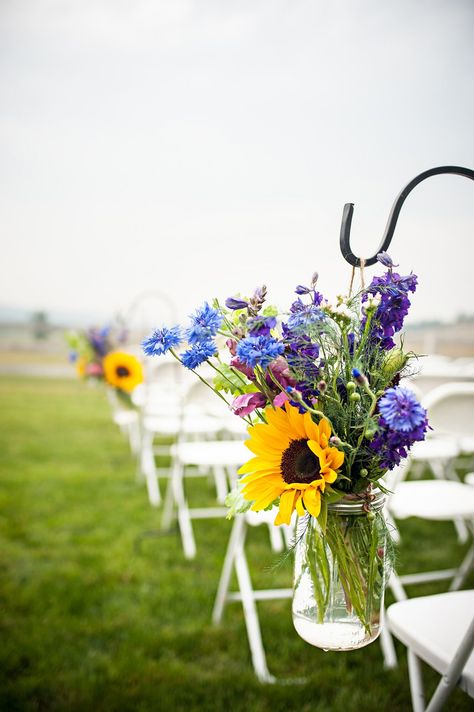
x=195, y=356
x=162, y=340
x=401, y=410
x=204, y=324
x=303, y=315
x=261, y=350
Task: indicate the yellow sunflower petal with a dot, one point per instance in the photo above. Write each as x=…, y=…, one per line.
x=300, y=510
x=312, y=501
x=296, y=420
x=287, y=505
x=312, y=430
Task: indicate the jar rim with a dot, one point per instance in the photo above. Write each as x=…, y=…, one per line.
x=358, y=503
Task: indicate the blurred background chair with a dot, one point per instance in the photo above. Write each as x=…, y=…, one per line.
x=438, y=630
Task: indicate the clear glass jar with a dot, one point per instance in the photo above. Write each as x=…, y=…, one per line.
x=340, y=574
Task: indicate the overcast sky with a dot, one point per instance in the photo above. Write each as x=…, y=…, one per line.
x=203, y=147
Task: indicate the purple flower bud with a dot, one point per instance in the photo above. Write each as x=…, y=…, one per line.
x=300, y=289
x=358, y=377
x=233, y=303
x=246, y=403
x=385, y=259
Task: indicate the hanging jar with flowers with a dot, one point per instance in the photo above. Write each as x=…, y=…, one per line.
x=319, y=389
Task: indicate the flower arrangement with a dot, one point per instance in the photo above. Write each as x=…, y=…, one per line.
x=319, y=388
x=97, y=357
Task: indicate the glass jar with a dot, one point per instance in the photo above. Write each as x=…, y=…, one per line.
x=340, y=573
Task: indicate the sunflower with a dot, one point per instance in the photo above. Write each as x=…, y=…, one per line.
x=81, y=366
x=122, y=370
x=293, y=461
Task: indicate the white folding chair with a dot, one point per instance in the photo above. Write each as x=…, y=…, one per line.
x=236, y=560
x=127, y=420
x=223, y=458
x=433, y=500
x=439, y=630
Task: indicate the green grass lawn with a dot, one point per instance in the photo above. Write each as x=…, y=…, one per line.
x=100, y=610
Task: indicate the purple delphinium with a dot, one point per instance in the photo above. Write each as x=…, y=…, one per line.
x=204, y=324
x=197, y=354
x=261, y=325
x=162, y=340
x=259, y=350
x=98, y=340
x=393, y=308
x=401, y=410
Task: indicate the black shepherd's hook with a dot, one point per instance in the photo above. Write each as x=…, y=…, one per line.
x=393, y=217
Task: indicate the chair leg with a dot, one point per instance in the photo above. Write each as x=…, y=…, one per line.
x=168, y=508
x=184, y=519
x=416, y=682
x=237, y=535
x=396, y=587
x=251, y=617
x=220, y=480
x=147, y=467
x=463, y=570
x=388, y=648
x=276, y=539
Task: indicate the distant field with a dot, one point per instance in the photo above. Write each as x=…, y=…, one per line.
x=99, y=609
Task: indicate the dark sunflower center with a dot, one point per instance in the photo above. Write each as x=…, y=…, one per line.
x=298, y=463
x=122, y=371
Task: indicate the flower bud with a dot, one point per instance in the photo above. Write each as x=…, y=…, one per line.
x=363, y=472
x=351, y=386
x=354, y=397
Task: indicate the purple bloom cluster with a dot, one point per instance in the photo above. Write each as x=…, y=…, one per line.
x=393, y=308
x=204, y=324
x=99, y=341
x=259, y=350
x=261, y=325
x=402, y=422
x=162, y=340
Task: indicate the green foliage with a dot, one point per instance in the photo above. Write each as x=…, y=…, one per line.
x=232, y=381
x=100, y=610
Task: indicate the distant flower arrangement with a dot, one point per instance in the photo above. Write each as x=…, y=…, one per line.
x=318, y=386
x=98, y=357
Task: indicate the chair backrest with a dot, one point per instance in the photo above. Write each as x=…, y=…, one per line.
x=451, y=409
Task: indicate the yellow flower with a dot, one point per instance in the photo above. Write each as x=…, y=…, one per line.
x=293, y=461
x=122, y=370
x=81, y=366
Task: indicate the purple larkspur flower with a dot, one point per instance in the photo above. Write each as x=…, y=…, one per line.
x=197, y=354
x=162, y=340
x=401, y=410
x=259, y=350
x=393, y=308
x=204, y=324
x=393, y=445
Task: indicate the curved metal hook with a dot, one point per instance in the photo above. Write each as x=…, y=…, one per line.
x=394, y=213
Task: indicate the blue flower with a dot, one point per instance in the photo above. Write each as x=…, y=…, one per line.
x=261, y=350
x=195, y=356
x=162, y=340
x=303, y=315
x=204, y=324
x=401, y=410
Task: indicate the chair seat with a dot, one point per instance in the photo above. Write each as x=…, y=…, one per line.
x=191, y=425
x=442, y=448
x=439, y=500
x=433, y=627
x=125, y=417
x=212, y=454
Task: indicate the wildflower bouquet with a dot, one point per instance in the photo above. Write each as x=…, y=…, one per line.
x=319, y=388
x=97, y=357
